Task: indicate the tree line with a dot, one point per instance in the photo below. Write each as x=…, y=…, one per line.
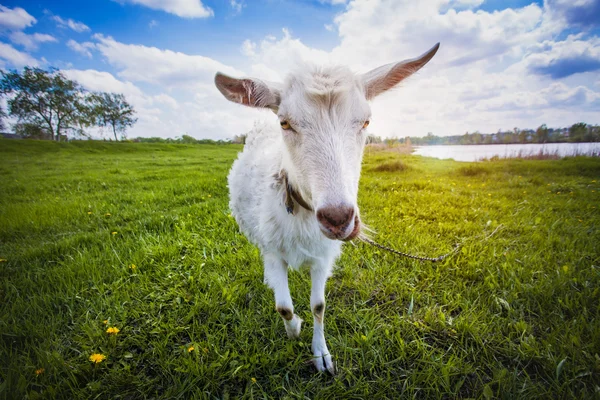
x=48, y=105
x=183, y=139
x=579, y=132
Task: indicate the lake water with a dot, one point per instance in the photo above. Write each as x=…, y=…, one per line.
x=478, y=152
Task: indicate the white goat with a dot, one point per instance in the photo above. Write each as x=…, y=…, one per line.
x=293, y=189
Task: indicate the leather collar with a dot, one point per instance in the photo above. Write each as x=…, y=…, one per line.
x=291, y=196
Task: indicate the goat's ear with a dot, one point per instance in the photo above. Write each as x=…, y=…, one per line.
x=249, y=92
x=386, y=77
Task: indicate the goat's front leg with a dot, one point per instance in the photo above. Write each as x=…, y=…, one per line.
x=276, y=276
x=321, y=357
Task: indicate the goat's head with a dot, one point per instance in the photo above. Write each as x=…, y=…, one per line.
x=324, y=114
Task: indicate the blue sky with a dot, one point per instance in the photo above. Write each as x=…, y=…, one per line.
x=501, y=63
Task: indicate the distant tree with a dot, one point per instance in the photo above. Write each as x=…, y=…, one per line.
x=508, y=137
x=2, y=117
x=476, y=138
x=187, y=139
x=31, y=131
x=112, y=110
x=373, y=139
x=541, y=134
x=87, y=117
x=46, y=99
x=577, y=132
x=594, y=133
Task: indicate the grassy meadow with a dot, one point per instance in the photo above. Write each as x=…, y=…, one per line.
x=126, y=253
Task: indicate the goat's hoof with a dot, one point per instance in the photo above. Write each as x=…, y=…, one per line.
x=324, y=362
x=292, y=327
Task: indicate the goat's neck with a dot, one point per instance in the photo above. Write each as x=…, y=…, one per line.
x=293, y=178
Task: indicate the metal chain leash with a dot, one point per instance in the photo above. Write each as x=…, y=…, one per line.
x=436, y=259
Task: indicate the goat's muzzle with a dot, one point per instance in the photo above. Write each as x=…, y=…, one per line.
x=339, y=222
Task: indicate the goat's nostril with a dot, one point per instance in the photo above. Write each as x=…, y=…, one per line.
x=335, y=217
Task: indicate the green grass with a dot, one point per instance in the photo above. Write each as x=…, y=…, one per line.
x=515, y=314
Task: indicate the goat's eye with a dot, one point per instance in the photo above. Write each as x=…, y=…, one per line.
x=366, y=124
x=285, y=125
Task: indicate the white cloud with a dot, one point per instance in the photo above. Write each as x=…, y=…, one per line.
x=577, y=13
x=387, y=30
x=466, y=3
x=101, y=81
x=15, y=18
x=237, y=5
x=249, y=48
x=162, y=67
x=181, y=8
x=81, y=48
x=152, y=24
x=273, y=58
x=30, y=42
x=556, y=95
x=565, y=58
x=15, y=57
x=71, y=24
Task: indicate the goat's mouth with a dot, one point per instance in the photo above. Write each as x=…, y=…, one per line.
x=346, y=233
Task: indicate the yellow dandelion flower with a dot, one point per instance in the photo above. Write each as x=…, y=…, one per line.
x=190, y=349
x=489, y=194
x=105, y=322
x=107, y=215
x=113, y=330
x=97, y=358
x=114, y=233
x=3, y=260
x=39, y=371
x=89, y=212
x=364, y=338
x=253, y=380
x=209, y=196
x=132, y=266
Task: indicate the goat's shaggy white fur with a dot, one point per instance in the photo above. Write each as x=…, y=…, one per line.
x=257, y=203
x=323, y=112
